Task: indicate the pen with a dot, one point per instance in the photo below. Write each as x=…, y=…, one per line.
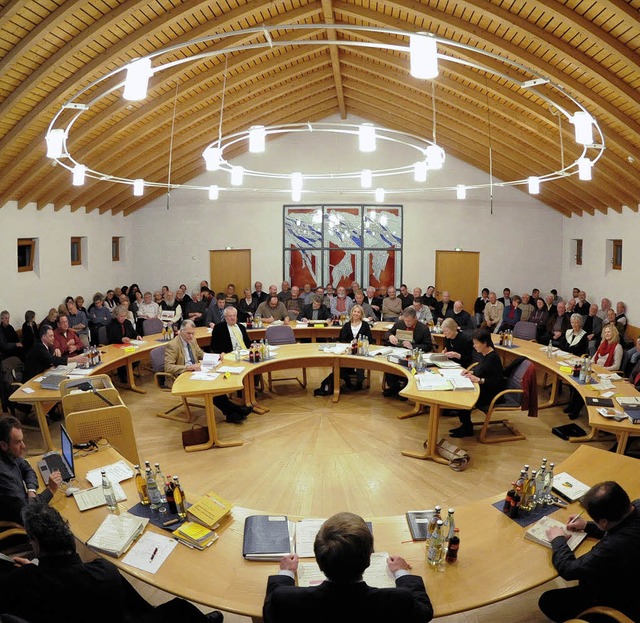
x=576, y=517
x=155, y=551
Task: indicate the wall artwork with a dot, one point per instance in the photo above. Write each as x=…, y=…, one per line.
x=338, y=244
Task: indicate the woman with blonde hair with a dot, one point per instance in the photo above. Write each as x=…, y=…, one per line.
x=610, y=351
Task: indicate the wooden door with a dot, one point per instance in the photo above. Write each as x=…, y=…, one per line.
x=459, y=273
x=230, y=266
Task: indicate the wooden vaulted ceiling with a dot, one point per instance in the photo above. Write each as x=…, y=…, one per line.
x=49, y=49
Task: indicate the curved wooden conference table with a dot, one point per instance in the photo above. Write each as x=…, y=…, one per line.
x=495, y=560
x=309, y=355
x=114, y=356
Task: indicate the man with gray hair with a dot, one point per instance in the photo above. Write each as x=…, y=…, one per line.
x=183, y=354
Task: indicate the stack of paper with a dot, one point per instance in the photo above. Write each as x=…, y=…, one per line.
x=195, y=535
x=432, y=382
x=377, y=574
x=116, y=533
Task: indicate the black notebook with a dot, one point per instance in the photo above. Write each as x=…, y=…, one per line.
x=568, y=430
x=418, y=523
x=266, y=537
x=598, y=402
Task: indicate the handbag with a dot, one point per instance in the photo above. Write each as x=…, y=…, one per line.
x=195, y=435
x=457, y=457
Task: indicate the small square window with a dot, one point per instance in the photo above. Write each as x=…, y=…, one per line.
x=76, y=251
x=616, y=259
x=115, y=249
x=26, y=254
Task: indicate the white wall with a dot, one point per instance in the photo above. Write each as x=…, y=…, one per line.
x=520, y=244
x=596, y=276
x=56, y=278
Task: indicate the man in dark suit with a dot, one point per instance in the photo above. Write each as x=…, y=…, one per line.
x=42, y=356
x=343, y=548
x=229, y=335
x=315, y=310
x=37, y=592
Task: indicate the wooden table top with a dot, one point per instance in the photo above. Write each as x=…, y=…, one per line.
x=493, y=547
x=309, y=355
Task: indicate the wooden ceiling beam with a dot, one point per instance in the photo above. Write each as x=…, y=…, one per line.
x=327, y=12
x=92, y=70
x=151, y=107
x=607, y=183
x=502, y=169
x=191, y=170
x=449, y=22
x=193, y=133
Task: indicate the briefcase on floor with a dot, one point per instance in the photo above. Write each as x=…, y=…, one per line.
x=568, y=430
x=195, y=435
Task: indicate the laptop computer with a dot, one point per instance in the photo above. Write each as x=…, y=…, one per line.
x=53, y=461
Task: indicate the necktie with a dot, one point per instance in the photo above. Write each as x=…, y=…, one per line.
x=190, y=354
x=235, y=330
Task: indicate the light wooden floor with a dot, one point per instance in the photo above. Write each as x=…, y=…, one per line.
x=310, y=457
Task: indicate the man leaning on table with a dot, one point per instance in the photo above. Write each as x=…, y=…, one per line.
x=608, y=575
x=18, y=481
x=407, y=332
x=62, y=588
x=182, y=354
x=343, y=549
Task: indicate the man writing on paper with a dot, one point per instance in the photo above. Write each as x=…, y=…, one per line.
x=182, y=354
x=343, y=549
x=18, y=481
x=63, y=588
x=406, y=333
x=608, y=575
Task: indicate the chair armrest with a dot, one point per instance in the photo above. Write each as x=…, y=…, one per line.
x=504, y=392
x=614, y=614
x=163, y=375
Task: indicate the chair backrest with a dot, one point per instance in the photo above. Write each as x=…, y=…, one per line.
x=525, y=330
x=157, y=359
x=85, y=401
x=111, y=423
x=97, y=381
x=282, y=334
x=151, y=326
x=102, y=335
x=514, y=381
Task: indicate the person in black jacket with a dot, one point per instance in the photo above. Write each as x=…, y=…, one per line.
x=228, y=334
x=97, y=591
x=42, y=356
x=489, y=376
x=121, y=331
x=609, y=574
x=315, y=310
x=355, y=329
x=457, y=344
x=343, y=548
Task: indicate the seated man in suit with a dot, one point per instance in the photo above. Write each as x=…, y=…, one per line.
x=227, y=336
x=121, y=331
x=343, y=548
x=407, y=332
x=316, y=310
x=98, y=592
x=43, y=355
x=608, y=575
x=18, y=481
x=461, y=317
x=182, y=354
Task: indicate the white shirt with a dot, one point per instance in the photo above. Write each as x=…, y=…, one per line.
x=149, y=310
